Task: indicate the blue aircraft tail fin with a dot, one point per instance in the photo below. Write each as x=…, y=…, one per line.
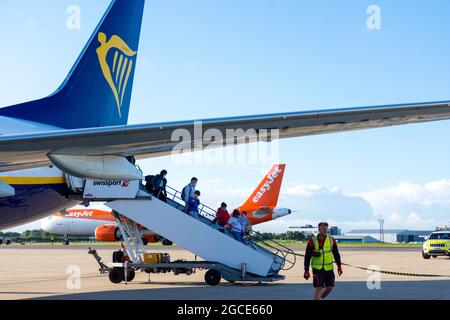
x=97, y=90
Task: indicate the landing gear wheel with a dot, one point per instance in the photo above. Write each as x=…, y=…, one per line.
x=213, y=277
x=131, y=275
x=66, y=242
x=425, y=256
x=116, y=275
x=145, y=241
x=166, y=242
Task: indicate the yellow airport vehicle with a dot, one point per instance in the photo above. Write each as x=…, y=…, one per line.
x=438, y=244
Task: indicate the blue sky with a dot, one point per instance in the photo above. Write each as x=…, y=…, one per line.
x=201, y=59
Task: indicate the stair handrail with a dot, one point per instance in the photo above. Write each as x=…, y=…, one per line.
x=211, y=215
x=286, y=252
x=202, y=209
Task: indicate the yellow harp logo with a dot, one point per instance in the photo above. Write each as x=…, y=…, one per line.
x=118, y=74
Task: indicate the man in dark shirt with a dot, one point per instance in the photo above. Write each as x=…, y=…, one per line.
x=321, y=252
x=159, y=183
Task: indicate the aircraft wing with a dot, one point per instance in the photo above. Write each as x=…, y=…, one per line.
x=158, y=139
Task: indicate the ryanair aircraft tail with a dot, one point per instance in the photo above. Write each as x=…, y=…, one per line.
x=97, y=91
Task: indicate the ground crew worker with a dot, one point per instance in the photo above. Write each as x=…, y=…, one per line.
x=321, y=253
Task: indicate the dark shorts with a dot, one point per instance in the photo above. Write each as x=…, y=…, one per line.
x=322, y=278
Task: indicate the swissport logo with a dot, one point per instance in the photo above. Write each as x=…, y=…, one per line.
x=268, y=184
x=109, y=184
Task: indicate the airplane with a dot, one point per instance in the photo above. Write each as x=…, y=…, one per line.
x=80, y=131
x=261, y=206
x=92, y=221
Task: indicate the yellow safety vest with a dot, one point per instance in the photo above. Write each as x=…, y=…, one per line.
x=325, y=259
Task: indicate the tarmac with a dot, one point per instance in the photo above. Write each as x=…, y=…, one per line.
x=51, y=273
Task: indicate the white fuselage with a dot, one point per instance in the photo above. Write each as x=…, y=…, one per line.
x=73, y=226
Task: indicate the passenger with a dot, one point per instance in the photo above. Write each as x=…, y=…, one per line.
x=159, y=183
x=236, y=226
x=193, y=204
x=214, y=224
x=222, y=217
x=149, y=184
x=188, y=191
x=246, y=226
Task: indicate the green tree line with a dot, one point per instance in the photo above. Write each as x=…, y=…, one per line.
x=41, y=235
x=287, y=236
x=37, y=235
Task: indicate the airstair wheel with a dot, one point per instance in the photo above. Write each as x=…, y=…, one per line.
x=116, y=275
x=131, y=275
x=213, y=277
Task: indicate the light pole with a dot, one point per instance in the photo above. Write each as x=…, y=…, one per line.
x=381, y=222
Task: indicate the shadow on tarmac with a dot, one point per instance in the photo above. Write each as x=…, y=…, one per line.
x=357, y=290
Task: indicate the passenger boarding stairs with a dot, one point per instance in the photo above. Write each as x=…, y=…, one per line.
x=199, y=236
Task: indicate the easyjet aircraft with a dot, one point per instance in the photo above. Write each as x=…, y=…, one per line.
x=261, y=207
x=92, y=221
x=81, y=129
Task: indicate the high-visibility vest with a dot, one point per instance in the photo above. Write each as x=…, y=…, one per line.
x=325, y=258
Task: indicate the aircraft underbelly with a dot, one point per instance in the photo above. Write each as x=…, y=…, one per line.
x=33, y=202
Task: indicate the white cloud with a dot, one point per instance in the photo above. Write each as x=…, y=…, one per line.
x=403, y=206
x=414, y=206
x=311, y=190
x=310, y=204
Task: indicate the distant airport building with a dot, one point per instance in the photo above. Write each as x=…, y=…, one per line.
x=413, y=236
x=308, y=230
x=335, y=231
x=355, y=239
x=392, y=236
